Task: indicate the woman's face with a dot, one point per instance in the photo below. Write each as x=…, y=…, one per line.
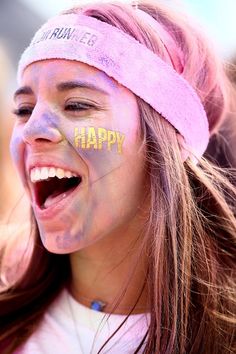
x=77, y=146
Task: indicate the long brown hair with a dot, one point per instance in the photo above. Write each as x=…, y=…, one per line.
x=191, y=230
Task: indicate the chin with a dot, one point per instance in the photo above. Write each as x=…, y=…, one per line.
x=62, y=242
x=58, y=249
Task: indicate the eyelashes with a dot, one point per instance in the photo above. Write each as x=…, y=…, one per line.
x=69, y=107
x=22, y=112
x=78, y=106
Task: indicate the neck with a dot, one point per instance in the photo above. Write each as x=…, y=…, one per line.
x=113, y=272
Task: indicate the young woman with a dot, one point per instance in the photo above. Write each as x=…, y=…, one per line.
x=133, y=241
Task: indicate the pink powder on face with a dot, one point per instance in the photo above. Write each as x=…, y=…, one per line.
x=112, y=183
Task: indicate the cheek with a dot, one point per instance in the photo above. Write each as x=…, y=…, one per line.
x=114, y=166
x=17, y=152
x=100, y=147
x=111, y=155
x=15, y=144
x=113, y=177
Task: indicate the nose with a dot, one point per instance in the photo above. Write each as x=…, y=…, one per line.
x=41, y=127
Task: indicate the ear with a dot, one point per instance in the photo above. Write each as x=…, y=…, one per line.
x=183, y=150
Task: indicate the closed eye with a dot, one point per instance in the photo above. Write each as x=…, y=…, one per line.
x=78, y=106
x=72, y=106
x=23, y=111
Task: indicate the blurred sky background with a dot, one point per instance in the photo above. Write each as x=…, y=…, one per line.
x=217, y=16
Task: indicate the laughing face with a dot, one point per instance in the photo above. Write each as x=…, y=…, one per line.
x=78, y=148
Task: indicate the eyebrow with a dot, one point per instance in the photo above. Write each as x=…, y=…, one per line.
x=63, y=86
x=25, y=90
x=71, y=85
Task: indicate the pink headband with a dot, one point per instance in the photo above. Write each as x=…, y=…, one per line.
x=132, y=64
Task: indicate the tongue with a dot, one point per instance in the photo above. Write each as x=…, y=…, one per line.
x=56, y=197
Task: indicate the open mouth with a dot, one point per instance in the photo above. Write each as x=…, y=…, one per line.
x=53, y=189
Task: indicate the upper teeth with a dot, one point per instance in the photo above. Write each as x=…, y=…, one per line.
x=42, y=173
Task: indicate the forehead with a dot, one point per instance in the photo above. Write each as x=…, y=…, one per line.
x=56, y=70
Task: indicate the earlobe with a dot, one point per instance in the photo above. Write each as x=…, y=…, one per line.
x=184, y=152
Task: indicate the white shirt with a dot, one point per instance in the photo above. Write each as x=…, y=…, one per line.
x=71, y=328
